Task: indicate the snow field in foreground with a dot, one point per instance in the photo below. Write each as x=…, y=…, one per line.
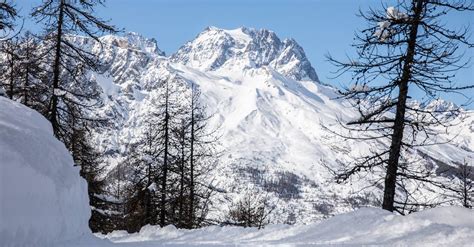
x=445, y=226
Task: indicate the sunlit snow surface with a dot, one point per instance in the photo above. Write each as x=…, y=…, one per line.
x=43, y=200
x=448, y=226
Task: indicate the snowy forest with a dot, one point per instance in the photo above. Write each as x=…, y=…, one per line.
x=235, y=139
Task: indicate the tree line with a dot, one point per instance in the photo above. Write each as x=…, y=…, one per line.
x=164, y=177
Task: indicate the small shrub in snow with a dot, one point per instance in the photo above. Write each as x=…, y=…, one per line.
x=251, y=211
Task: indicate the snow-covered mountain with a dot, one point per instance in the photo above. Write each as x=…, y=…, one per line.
x=245, y=48
x=270, y=108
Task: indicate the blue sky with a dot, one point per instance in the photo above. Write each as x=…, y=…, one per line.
x=319, y=26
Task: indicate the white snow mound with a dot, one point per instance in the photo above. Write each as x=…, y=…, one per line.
x=446, y=226
x=43, y=200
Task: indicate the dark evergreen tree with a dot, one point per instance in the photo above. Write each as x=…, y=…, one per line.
x=108, y=201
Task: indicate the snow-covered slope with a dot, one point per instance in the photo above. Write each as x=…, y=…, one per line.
x=449, y=226
x=43, y=200
x=270, y=108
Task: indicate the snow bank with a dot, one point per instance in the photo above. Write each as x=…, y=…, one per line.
x=43, y=200
x=447, y=226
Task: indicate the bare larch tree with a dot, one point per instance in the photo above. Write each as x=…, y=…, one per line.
x=62, y=20
x=406, y=47
x=8, y=14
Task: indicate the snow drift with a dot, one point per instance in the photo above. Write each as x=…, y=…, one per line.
x=446, y=226
x=43, y=200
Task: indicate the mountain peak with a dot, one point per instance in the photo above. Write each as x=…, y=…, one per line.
x=241, y=29
x=215, y=48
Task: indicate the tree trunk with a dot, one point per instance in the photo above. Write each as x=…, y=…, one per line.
x=466, y=172
x=399, y=124
x=148, y=200
x=191, y=163
x=53, y=117
x=12, y=72
x=27, y=83
x=181, y=184
x=165, y=160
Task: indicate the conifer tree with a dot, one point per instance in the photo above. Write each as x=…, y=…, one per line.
x=202, y=159
x=69, y=63
x=406, y=47
x=169, y=165
x=8, y=15
x=69, y=28
x=462, y=189
x=10, y=64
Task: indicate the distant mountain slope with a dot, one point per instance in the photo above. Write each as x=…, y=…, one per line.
x=270, y=108
x=242, y=48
